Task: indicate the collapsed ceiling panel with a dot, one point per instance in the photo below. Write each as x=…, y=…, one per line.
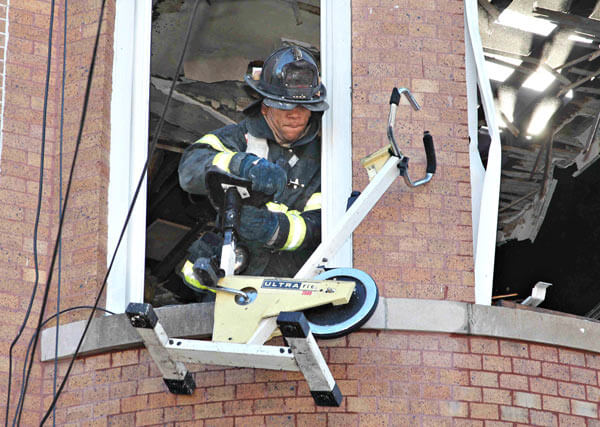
x=542, y=58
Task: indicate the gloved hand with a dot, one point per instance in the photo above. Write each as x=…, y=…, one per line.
x=258, y=225
x=266, y=177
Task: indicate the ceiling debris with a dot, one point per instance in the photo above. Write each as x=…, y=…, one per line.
x=543, y=60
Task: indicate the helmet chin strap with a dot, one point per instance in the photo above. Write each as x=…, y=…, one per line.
x=279, y=138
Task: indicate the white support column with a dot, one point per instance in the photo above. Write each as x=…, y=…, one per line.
x=128, y=151
x=336, y=163
x=485, y=184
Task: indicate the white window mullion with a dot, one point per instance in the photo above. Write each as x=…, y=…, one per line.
x=485, y=184
x=129, y=148
x=336, y=163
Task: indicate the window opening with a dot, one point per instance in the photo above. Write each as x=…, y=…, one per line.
x=229, y=38
x=547, y=101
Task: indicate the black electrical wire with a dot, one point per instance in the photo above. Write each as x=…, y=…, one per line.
x=60, y=200
x=37, y=214
x=67, y=192
x=132, y=205
x=34, y=336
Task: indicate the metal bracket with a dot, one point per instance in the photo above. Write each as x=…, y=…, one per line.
x=303, y=354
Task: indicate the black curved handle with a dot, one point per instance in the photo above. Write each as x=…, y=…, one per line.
x=395, y=98
x=429, y=151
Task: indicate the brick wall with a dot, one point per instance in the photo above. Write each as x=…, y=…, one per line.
x=387, y=378
x=417, y=243
x=84, y=237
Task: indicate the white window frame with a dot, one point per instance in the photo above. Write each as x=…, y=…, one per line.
x=485, y=182
x=129, y=138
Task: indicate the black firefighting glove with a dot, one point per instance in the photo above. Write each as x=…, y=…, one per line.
x=266, y=177
x=259, y=225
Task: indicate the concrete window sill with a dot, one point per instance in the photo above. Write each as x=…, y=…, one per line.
x=115, y=333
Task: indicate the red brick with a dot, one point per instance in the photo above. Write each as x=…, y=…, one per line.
x=342, y=420
x=527, y=400
x=311, y=420
x=556, y=404
x=540, y=418
x=149, y=417
x=281, y=389
x=484, y=410
x=586, y=376
x=123, y=420
x=515, y=382
x=218, y=422
x=470, y=394
x=545, y=353
x=106, y=408
x=280, y=420
x=486, y=379
x=514, y=414
x=592, y=360
x=454, y=344
x=454, y=409
x=268, y=406
x=151, y=385
x=161, y=400
x=220, y=393
x=409, y=357
x=572, y=421
x=126, y=357
x=494, y=395
x=361, y=404
x=496, y=363
x=593, y=393
x=208, y=410
x=469, y=361
x=239, y=376
x=344, y=355
x=454, y=377
x=527, y=367
x=570, y=357
x=543, y=385
x=134, y=403
x=238, y=407
x=246, y=391
x=555, y=371
x=575, y=391
x=436, y=392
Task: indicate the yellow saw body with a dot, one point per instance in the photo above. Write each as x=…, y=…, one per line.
x=236, y=319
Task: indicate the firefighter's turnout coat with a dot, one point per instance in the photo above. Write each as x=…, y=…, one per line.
x=299, y=210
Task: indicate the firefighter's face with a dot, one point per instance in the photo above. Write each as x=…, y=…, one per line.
x=287, y=124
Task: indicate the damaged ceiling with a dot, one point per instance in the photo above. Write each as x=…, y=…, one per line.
x=542, y=59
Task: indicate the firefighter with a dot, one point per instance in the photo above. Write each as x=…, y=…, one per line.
x=278, y=147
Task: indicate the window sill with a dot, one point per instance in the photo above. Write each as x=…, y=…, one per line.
x=115, y=333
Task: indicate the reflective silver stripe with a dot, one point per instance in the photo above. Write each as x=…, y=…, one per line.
x=222, y=160
x=314, y=203
x=297, y=231
x=213, y=141
x=257, y=146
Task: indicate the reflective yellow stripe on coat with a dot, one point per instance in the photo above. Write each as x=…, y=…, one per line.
x=314, y=203
x=222, y=159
